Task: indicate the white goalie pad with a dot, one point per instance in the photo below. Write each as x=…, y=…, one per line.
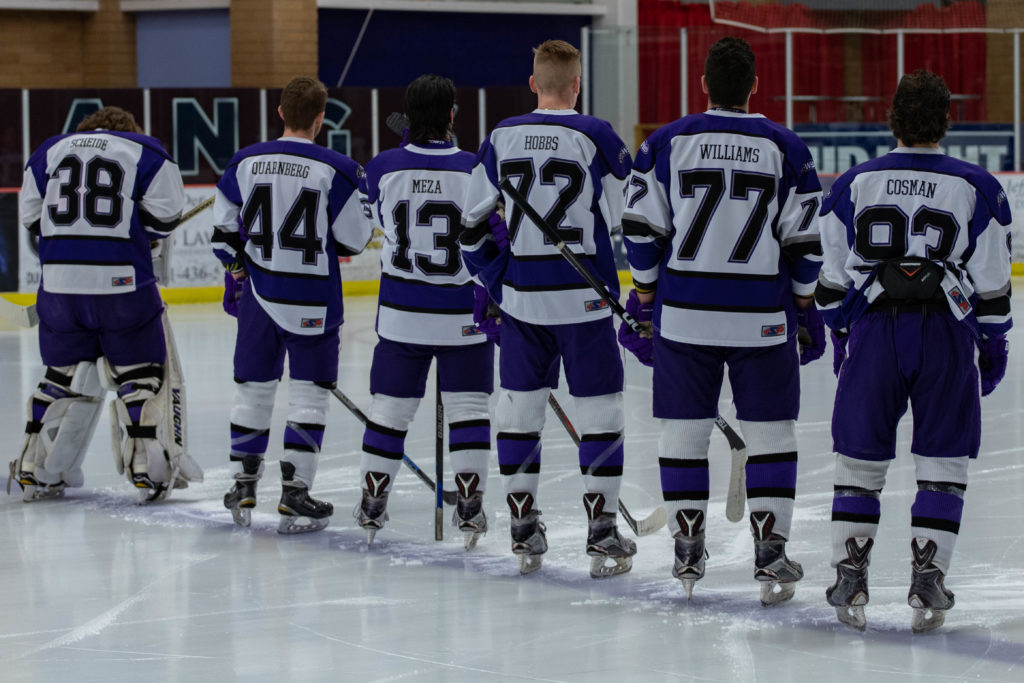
x=53, y=453
x=153, y=452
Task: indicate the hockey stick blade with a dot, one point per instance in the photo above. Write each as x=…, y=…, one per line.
x=736, y=498
x=642, y=527
x=449, y=496
x=397, y=123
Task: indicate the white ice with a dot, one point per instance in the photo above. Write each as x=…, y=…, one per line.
x=100, y=589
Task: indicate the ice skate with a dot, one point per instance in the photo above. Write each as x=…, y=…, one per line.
x=849, y=593
x=371, y=511
x=928, y=596
x=241, y=499
x=529, y=541
x=31, y=489
x=776, y=572
x=610, y=553
x=300, y=512
x=690, y=553
x=469, y=516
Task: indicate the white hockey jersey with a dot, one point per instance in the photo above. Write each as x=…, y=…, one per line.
x=572, y=168
x=291, y=208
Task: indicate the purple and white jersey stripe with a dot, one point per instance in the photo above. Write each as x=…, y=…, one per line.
x=720, y=221
x=99, y=198
x=290, y=208
x=572, y=168
x=426, y=294
x=917, y=202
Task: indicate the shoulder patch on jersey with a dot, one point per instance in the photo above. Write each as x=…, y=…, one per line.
x=644, y=147
x=623, y=155
x=1001, y=197
x=809, y=166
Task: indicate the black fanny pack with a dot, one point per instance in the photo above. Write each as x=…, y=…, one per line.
x=911, y=279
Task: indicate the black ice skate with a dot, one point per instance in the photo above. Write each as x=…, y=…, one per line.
x=241, y=499
x=610, y=553
x=469, y=514
x=777, y=572
x=300, y=512
x=371, y=511
x=849, y=593
x=690, y=554
x=529, y=541
x=928, y=596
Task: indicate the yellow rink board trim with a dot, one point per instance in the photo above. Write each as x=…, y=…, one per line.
x=201, y=295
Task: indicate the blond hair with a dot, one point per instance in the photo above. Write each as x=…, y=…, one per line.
x=110, y=118
x=556, y=64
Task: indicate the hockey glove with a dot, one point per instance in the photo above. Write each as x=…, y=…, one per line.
x=811, y=335
x=638, y=343
x=486, y=315
x=839, y=340
x=993, y=352
x=499, y=229
x=232, y=292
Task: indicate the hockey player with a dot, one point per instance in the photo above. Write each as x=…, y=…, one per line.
x=96, y=199
x=285, y=211
x=723, y=246
x=425, y=311
x=916, y=274
x=572, y=168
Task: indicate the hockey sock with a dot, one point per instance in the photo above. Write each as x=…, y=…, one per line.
x=771, y=470
x=683, y=462
x=469, y=434
x=601, y=421
x=856, y=509
x=519, y=461
x=304, y=430
x=382, y=451
x=250, y=421
x=939, y=504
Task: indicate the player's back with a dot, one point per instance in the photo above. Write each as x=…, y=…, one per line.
x=571, y=168
x=416, y=194
x=298, y=201
x=740, y=192
x=101, y=196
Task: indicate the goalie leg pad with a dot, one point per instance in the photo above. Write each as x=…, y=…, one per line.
x=683, y=464
x=519, y=418
x=601, y=422
x=469, y=434
x=771, y=469
x=304, y=430
x=63, y=413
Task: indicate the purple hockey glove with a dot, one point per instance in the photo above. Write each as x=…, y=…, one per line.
x=992, y=362
x=811, y=335
x=486, y=315
x=838, y=350
x=638, y=343
x=499, y=229
x=232, y=291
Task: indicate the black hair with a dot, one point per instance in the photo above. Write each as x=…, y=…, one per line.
x=729, y=72
x=428, y=104
x=920, y=108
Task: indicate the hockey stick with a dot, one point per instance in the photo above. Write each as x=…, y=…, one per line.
x=26, y=316
x=735, y=499
x=449, y=496
x=439, y=463
x=642, y=527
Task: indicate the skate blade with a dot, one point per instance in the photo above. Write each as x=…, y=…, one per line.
x=295, y=524
x=471, y=538
x=242, y=516
x=529, y=563
x=925, y=618
x=773, y=592
x=852, y=616
x=370, y=533
x=33, y=493
x=600, y=569
x=688, y=587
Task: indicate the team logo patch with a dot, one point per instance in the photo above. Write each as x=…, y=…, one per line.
x=595, y=305
x=122, y=281
x=470, y=330
x=773, y=330
x=311, y=323
x=960, y=300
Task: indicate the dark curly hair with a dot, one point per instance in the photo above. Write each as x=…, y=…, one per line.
x=920, y=109
x=729, y=72
x=109, y=118
x=428, y=104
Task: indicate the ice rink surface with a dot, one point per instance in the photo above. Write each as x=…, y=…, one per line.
x=98, y=588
